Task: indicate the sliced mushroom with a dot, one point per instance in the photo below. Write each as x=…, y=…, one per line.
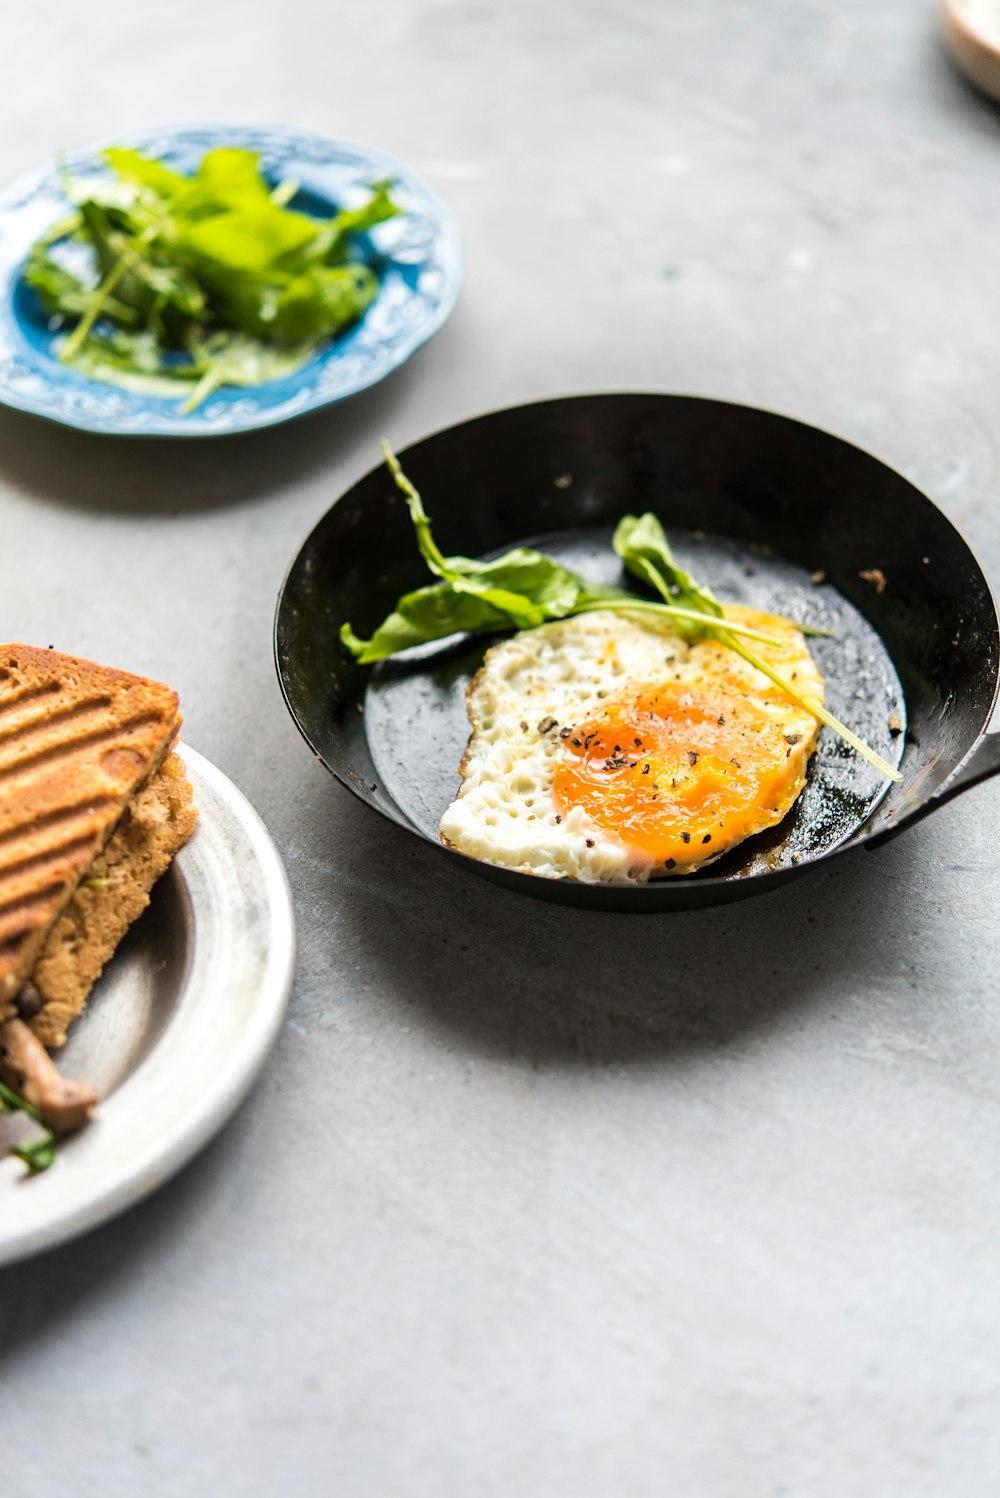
x=26, y=1066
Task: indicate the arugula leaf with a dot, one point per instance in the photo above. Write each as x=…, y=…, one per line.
x=521, y=589
x=323, y=300
x=228, y=177
x=37, y=1154
x=165, y=299
x=332, y=242
x=63, y=294
x=234, y=286
x=426, y=614
x=522, y=570
x=144, y=171
x=641, y=543
x=59, y=291
x=480, y=603
x=247, y=240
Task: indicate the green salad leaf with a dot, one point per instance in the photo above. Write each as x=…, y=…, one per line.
x=642, y=545
x=524, y=588
x=37, y=1154
x=203, y=281
x=519, y=590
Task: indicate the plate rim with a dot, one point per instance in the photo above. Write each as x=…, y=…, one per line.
x=168, y=424
x=124, y=1180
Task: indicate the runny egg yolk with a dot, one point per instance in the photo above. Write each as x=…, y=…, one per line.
x=675, y=772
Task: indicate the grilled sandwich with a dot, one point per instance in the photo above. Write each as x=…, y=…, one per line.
x=93, y=806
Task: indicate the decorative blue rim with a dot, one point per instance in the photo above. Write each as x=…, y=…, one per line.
x=418, y=257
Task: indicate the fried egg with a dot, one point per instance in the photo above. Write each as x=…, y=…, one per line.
x=606, y=748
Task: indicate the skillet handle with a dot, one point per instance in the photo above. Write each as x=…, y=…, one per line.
x=983, y=762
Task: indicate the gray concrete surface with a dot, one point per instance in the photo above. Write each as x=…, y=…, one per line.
x=723, y=1224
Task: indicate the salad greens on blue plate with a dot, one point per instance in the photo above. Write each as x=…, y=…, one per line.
x=200, y=302
x=167, y=284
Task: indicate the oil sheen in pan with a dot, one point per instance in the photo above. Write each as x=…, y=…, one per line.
x=418, y=727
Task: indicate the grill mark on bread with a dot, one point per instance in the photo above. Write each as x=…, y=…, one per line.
x=95, y=807
x=57, y=719
x=15, y=910
x=55, y=752
x=11, y=703
x=60, y=853
x=159, y=820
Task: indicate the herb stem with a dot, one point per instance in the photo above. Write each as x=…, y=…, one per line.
x=126, y=258
x=818, y=711
x=284, y=192
x=675, y=611
x=209, y=381
x=62, y=229
x=37, y=1156
x=421, y=524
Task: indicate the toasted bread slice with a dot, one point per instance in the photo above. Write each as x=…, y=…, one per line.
x=114, y=892
x=77, y=741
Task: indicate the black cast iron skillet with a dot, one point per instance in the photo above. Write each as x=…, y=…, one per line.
x=766, y=510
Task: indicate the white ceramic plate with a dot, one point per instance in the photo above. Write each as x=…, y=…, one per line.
x=176, y=1030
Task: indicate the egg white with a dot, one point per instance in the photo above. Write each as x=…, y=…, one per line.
x=505, y=813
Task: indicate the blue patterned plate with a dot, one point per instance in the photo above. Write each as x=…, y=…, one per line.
x=418, y=258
